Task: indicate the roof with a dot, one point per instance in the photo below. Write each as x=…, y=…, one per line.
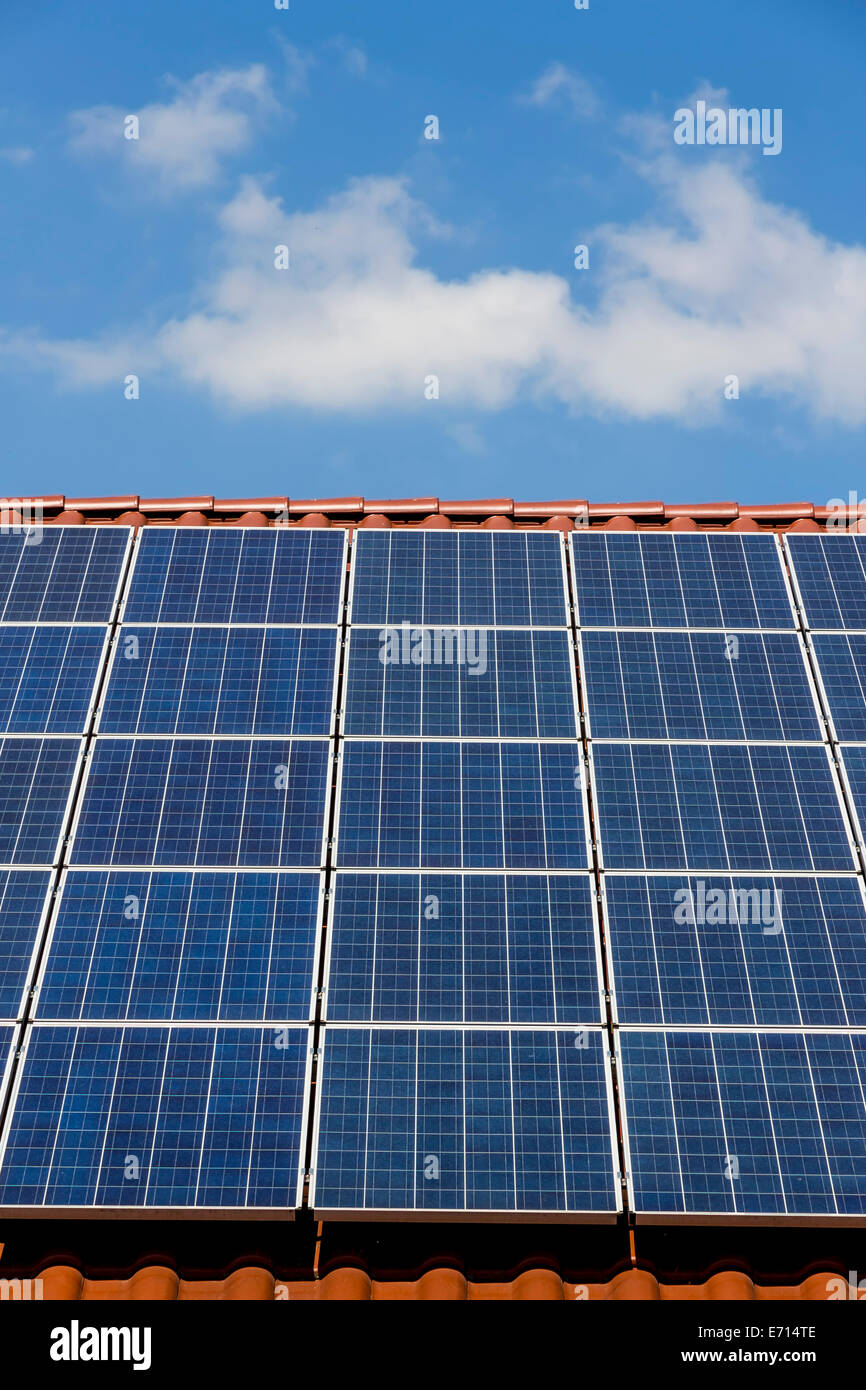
x=497, y=513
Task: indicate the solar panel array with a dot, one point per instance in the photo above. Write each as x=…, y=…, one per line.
x=457, y=872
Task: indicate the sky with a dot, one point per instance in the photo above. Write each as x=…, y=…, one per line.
x=424, y=329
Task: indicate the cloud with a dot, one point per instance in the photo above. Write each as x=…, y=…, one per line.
x=560, y=86
x=352, y=56
x=718, y=281
x=183, y=141
x=17, y=154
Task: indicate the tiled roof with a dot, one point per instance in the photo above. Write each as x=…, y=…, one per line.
x=497, y=513
x=156, y=1282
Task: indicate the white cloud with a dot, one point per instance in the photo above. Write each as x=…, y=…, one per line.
x=559, y=85
x=17, y=154
x=719, y=281
x=182, y=142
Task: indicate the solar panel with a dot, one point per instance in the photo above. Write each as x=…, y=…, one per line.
x=725, y=806
x=687, y=580
x=472, y=578
x=7, y=1051
x=48, y=678
x=182, y=680
x=745, y=1123
x=841, y=662
x=462, y=805
x=828, y=571
x=182, y=947
x=199, y=801
x=464, y=1121
x=236, y=575
x=61, y=574
x=207, y=1118
x=698, y=685
x=463, y=948
x=744, y=950
x=36, y=780
x=23, y=905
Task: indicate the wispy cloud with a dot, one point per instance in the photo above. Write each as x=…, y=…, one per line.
x=17, y=154
x=561, y=86
x=182, y=142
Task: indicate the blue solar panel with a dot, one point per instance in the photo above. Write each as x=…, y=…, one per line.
x=237, y=575
x=690, y=580
x=476, y=578
x=435, y=1119
x=469, y=805
x=841, y=660
x=221, y=681
x=7, y=1043
x=36, y=777
x=744, y=950
x=745, y=1123
x=156, y=1117
x=450, y=683
x=23, y=902
x=747, y=807
x=468, y=948
x=681, y=685
x=200, y=802
x=221, y=947
x=62, y=574
x=48, y=678
x=830, y=575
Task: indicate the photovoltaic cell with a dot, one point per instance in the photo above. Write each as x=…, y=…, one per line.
x=61, y=574
x=467, y=948
x=182, y=947
x=680, y=685
x=737, y=950
x=23, y=897
x=450, y=1120
x=469, y=805
x=687, y=580
x=745, y=1123
x=237, y=575
x=156, y=1117
x=747, y=807
x=200, y=802
x=35, y=784
x=477, y=578
x=181, y=680
x=831, y=578
x=487, y=684
x=48, y=678
x=841, y=659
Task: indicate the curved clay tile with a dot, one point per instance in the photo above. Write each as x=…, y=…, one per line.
x=619, y=523
x=558, y=523
x=313, y=519
x=67, y=519
x=730, y=1284
x=154, y=1283
x=537, y=1285
x=130, y=519
x=440, y=1285
x=435, y=522
x=743, y=523
x=347, y=1284
x=191, y=519
x=250, y=519
x=804, y=524
x=681, y=523
x=634, y=1286
x=376, y=521
x=497, y=523
x=61, y=1282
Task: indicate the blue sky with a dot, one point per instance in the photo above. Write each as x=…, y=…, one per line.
x=412, y=258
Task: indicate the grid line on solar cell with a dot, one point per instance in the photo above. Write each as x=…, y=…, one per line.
x=464, y=1120
x=681, y=685
x=255, y=681
x=830, y=579
x=763, y=951
x=852, y=764
x=36, y=781
x=679, y=581
x=499, y=579
x=116, y=1117
x=484, y=683
x=756, y=1123
x=468, y=805
x=48, y=677
x=238, y=802
x=470, y=948
x=729, y=807
x=176, y=947
x=70, y=574
x=236, y=576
